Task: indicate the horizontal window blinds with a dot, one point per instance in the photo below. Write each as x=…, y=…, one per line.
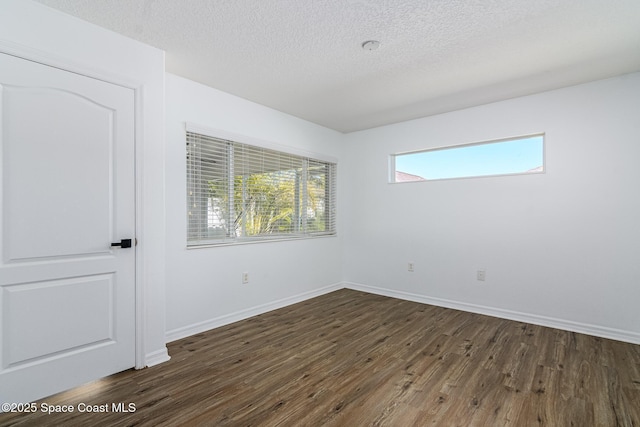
x=238, y=192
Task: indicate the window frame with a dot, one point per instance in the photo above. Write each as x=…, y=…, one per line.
x=308, y=159
x=392, y=159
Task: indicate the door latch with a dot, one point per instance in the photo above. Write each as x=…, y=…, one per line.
x=124, y=243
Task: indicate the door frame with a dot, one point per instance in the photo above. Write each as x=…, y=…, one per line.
x=48, y=59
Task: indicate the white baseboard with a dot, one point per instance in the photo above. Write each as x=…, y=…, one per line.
x=157, y=357
x=567, y=325
x=197, y=328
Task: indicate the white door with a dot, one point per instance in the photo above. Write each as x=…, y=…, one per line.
x=67, y=298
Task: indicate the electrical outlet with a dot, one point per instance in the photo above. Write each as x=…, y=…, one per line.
x=481, y=275
x=245, y=278
x=410, y=267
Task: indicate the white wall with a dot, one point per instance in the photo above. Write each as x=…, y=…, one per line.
x=560, y=248
x=204, y=287
x=36, y=32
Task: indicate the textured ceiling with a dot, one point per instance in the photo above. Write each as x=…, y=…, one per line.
x=304, y=57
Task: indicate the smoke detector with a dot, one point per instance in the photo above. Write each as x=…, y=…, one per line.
x=371, y=45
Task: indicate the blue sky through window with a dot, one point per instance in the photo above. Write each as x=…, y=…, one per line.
x=494, y=158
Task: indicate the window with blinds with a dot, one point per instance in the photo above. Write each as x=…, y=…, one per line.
x=238, y=193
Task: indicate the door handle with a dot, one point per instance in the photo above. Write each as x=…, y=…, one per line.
x=124, y=243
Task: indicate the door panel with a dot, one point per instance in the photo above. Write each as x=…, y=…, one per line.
x=75, y=227
x=88, y=298
x=67, y=298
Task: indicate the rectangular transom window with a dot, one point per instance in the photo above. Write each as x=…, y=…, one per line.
x=239, y=193
x=521, y=155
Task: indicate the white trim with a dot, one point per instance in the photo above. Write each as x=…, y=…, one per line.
x=226, y=319
x=534, y=319
x=250, y=241
x=567, y=325
x=157, y=357
x=141, y=359
x=244, y=139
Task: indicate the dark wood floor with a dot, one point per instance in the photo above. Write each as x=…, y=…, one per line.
x=355, y=359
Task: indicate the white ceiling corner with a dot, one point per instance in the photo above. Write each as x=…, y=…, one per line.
x=304, y=57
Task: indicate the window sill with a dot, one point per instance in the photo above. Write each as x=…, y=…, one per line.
x=249, y=241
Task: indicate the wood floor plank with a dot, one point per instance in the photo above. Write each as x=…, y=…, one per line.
x=350, y=358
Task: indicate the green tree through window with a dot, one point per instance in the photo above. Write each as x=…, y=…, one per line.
x=239, y=192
